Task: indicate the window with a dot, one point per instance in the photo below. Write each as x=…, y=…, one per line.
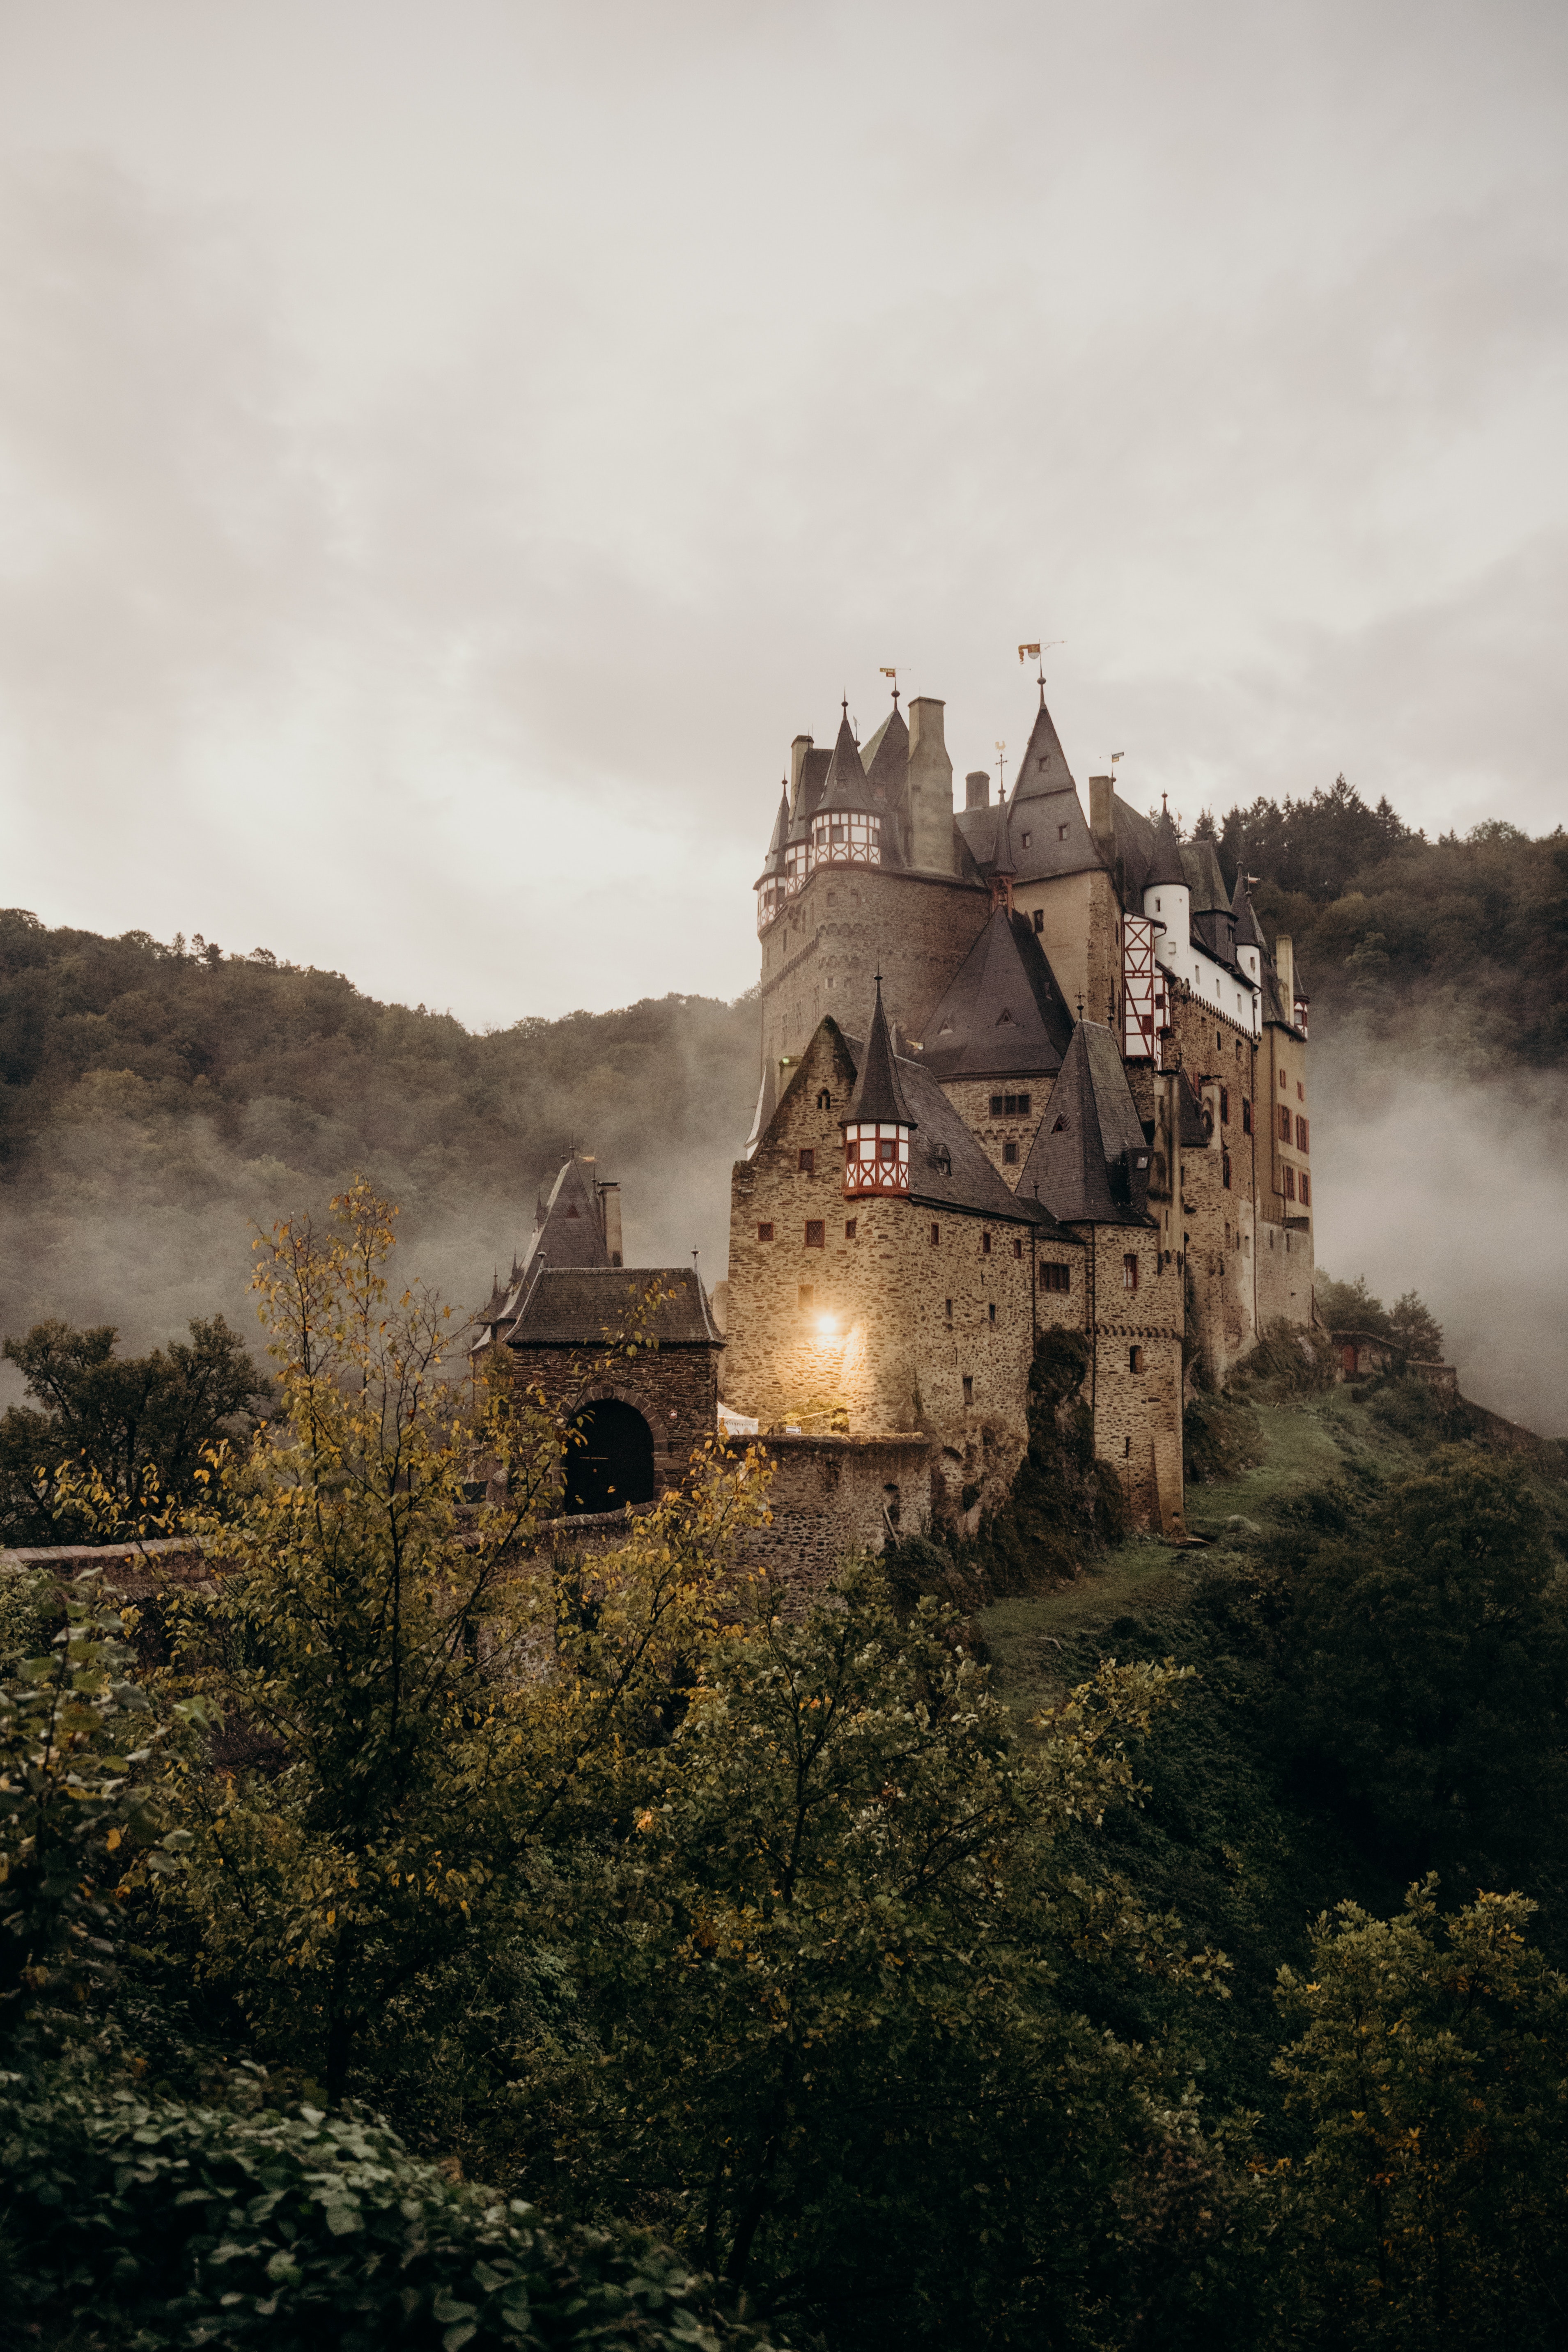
x=1134, y=1360
x=824, y=1100
x=1225, y=1106
x=1301, y=1091
x=816, y=1233
x=1130, y=1271
x=1238, y=1049
x=969, y=1388
x=807, y=1296
x=1303, y=1133
x=990, y=1313
x=808, y=1163
x=1027, y=839
x=1061, y=833
x=1290, y=1183
x=1305, y=1189
x=949, y=1306
x=1010, y=1105
x=887, y=1150
x=850, y=1225
x=935, y=1236
x=1281, y=1081
x=1039, y=918
x=984, y=1244
x=1054, y=1277
x=1224, y=1170
x=765, y=1233
x=1284, y=1124
x=1246, y=1116
x=1009, y=1154
x=1017, y=1249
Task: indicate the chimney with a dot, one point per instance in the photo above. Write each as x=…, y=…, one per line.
x=1102, y=815
x=610, y=1219
x=1285, y=965
x=978, y=787
x=797, y=751
x=931, y=788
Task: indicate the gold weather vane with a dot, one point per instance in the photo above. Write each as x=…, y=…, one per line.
x=890, y=671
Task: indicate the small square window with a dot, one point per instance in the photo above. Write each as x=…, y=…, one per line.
x=816, y=1233
x=969, y=1388
x=765, y=1233
x=1009, y=1154
x=807, y=1162
x=850, y=1225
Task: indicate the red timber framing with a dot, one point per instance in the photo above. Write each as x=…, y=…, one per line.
x=875, y=1160
x=1143, y=983
x=845, y=837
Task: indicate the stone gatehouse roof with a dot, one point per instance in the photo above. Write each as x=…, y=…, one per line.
x=576, y=1306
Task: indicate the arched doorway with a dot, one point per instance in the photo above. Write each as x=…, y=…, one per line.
x=614, y=1465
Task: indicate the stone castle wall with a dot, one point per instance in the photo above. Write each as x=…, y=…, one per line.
x=676, y=1390
x=821, y=953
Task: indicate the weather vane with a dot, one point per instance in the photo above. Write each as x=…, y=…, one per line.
x=1002, y=769
x=892, y=673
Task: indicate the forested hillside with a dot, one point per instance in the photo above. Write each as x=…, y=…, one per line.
x=157, y=1101
x=1456, y=944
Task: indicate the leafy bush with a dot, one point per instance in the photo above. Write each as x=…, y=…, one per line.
x=1297, y=1361
x=1222, y=1436
x=151, y=2225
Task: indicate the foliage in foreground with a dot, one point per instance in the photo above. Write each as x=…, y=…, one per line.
x=156, y=2226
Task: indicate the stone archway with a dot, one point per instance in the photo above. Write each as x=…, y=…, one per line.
x=614, y=1465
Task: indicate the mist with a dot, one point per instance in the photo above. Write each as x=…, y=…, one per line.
x=1455, y=1186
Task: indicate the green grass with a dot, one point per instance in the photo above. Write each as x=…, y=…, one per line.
x=1318, y=1441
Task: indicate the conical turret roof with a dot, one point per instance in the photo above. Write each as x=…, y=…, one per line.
x=773, y=863
x=1166, y=860
x=1048, y=832
x=886, y=759
x=877, y=1094
x=846, y=785
x=1004, y=1015
x=1247, y=934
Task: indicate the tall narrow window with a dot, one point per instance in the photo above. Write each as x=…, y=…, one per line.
x=1039, y=918
x=850, y=1225
x=1009, y=1155
x=990, y=1313
x=1246, y=1116
x=1134, y=1360
x=1225, y=1106
x=996, y=1106
x=1130, y=1271
x=1290, y=1183
x=984, y=1244
x=1284, y=1124
x=936, y=1238
x=1303, y=1134
x=1224, y=1170
x=808, y=1163
x=1306, y=1189
x=969, y=1388
x=949, y=1306
x=816, y=1233
x=1017, y=1249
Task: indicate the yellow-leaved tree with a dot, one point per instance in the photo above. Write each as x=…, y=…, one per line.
x=413, y=1717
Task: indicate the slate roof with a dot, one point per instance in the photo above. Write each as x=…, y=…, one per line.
x=773, y=863
x=886, y=760
x=1200, y=865
x=1002, y=1015
x=1247, y=934
x=1135, y=847
x=947, y=1168
x=574, y=1307
x=844, y=787
x=1089, y=1158
x=1050, y=832
x=814, y=767
x=1165, y=856
x=878, y=1092
x=570, y=1233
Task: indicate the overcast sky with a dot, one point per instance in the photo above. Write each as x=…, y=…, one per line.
x=446, y=451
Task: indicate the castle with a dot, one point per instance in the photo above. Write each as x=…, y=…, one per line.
x=1021, y=1068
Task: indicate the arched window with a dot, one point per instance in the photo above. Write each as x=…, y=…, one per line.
x=824, y=1099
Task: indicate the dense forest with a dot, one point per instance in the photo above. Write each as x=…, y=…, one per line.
x=1057, y=1939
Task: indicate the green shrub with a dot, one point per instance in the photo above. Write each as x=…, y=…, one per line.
x=1221, y=1436
x=1065, y=1504
x=149, y=2226
x=1296, y=1358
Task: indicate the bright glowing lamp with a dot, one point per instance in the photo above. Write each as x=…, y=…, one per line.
x=826, y=1326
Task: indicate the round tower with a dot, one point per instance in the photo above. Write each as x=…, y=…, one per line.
x=847, y=823
x=877, y=1122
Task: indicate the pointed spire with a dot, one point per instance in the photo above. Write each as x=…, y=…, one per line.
x=878, y=1095
x=775, y=860
x=1165, y=858
x=1247, y=934
x=846, y=785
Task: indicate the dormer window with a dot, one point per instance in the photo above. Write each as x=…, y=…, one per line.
x=1029, y=837
x=875, y=1157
